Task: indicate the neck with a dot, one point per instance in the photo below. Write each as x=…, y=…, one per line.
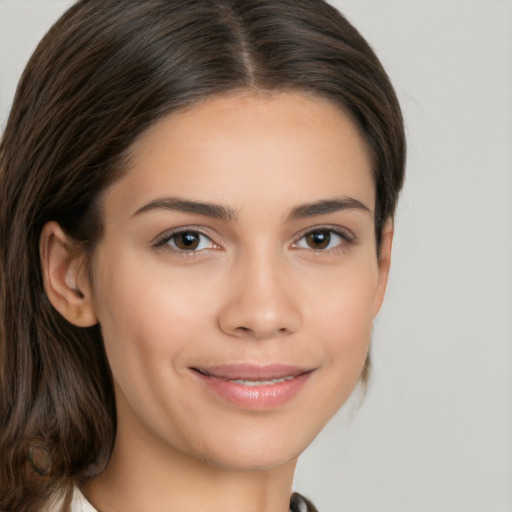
x=146, y=474
x=188, y=486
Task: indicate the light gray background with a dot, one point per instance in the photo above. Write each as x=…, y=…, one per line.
x=434, y=432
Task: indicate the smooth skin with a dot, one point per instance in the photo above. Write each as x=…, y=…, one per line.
x=280, y=266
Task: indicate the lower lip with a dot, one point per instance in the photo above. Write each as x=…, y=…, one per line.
x=264, y=396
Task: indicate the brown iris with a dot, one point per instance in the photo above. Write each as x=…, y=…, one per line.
x=187, y=240
x=318, y=239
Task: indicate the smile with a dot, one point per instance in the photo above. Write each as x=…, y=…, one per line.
x=254, y=386
x=262, y=382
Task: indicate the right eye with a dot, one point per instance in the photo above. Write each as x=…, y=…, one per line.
x=187, y=241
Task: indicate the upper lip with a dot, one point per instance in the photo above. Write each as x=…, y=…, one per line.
x=248, y=371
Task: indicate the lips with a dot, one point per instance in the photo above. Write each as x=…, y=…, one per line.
x=252, y=372
x=254, y=386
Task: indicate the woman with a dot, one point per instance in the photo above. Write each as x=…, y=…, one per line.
x=196, y=228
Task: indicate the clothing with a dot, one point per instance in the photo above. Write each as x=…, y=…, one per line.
x=300, y=504
x=297, y=503
x=80, y=503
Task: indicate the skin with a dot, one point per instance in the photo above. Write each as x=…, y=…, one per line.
x=257, y=289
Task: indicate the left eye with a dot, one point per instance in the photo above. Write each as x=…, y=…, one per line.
x=189, y=241
x=320, y=240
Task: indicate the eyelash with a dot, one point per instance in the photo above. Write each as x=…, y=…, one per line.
x=344, y=239
x=164, y=240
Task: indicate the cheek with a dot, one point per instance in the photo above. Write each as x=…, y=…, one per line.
x=146, y=339
x=343, y=316
x=150, y=317
x=344, y=298
x=125, y=306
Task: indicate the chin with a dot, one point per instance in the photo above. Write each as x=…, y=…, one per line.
x=255, y=451
x=244, y=461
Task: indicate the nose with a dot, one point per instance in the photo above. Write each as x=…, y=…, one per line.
x=260, y=302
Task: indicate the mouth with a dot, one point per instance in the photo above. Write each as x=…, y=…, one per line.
x=254, y=386
x=249, y=382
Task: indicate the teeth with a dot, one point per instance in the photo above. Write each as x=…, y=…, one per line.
x=261, y=382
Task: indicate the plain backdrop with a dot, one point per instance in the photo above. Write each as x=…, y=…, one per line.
x=434, y=432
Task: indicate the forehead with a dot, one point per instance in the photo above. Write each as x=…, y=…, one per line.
x=243, y=147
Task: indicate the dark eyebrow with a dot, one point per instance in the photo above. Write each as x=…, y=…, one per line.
x=184, y=205
x=327, y=206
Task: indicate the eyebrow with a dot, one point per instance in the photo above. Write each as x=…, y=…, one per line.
x=327, y=206
x=225, y=213
x=184, y=205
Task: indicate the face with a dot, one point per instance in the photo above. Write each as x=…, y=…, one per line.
x=237, y=279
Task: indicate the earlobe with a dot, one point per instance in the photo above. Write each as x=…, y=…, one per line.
x=384, y=264
x=65, y=278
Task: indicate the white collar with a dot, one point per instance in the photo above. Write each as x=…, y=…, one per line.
x=80, y=503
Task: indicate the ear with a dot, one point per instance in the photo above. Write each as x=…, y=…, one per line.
x=65, y=277
x=384, y=264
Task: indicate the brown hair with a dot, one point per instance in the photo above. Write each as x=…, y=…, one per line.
x=104, y=73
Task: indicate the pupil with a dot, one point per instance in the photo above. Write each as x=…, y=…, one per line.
x=187, y=240
x=319, y=239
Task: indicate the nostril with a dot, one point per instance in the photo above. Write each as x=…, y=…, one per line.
x=259, y=317
x=260, y=333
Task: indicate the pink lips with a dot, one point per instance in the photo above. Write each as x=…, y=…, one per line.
x=253, y=386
